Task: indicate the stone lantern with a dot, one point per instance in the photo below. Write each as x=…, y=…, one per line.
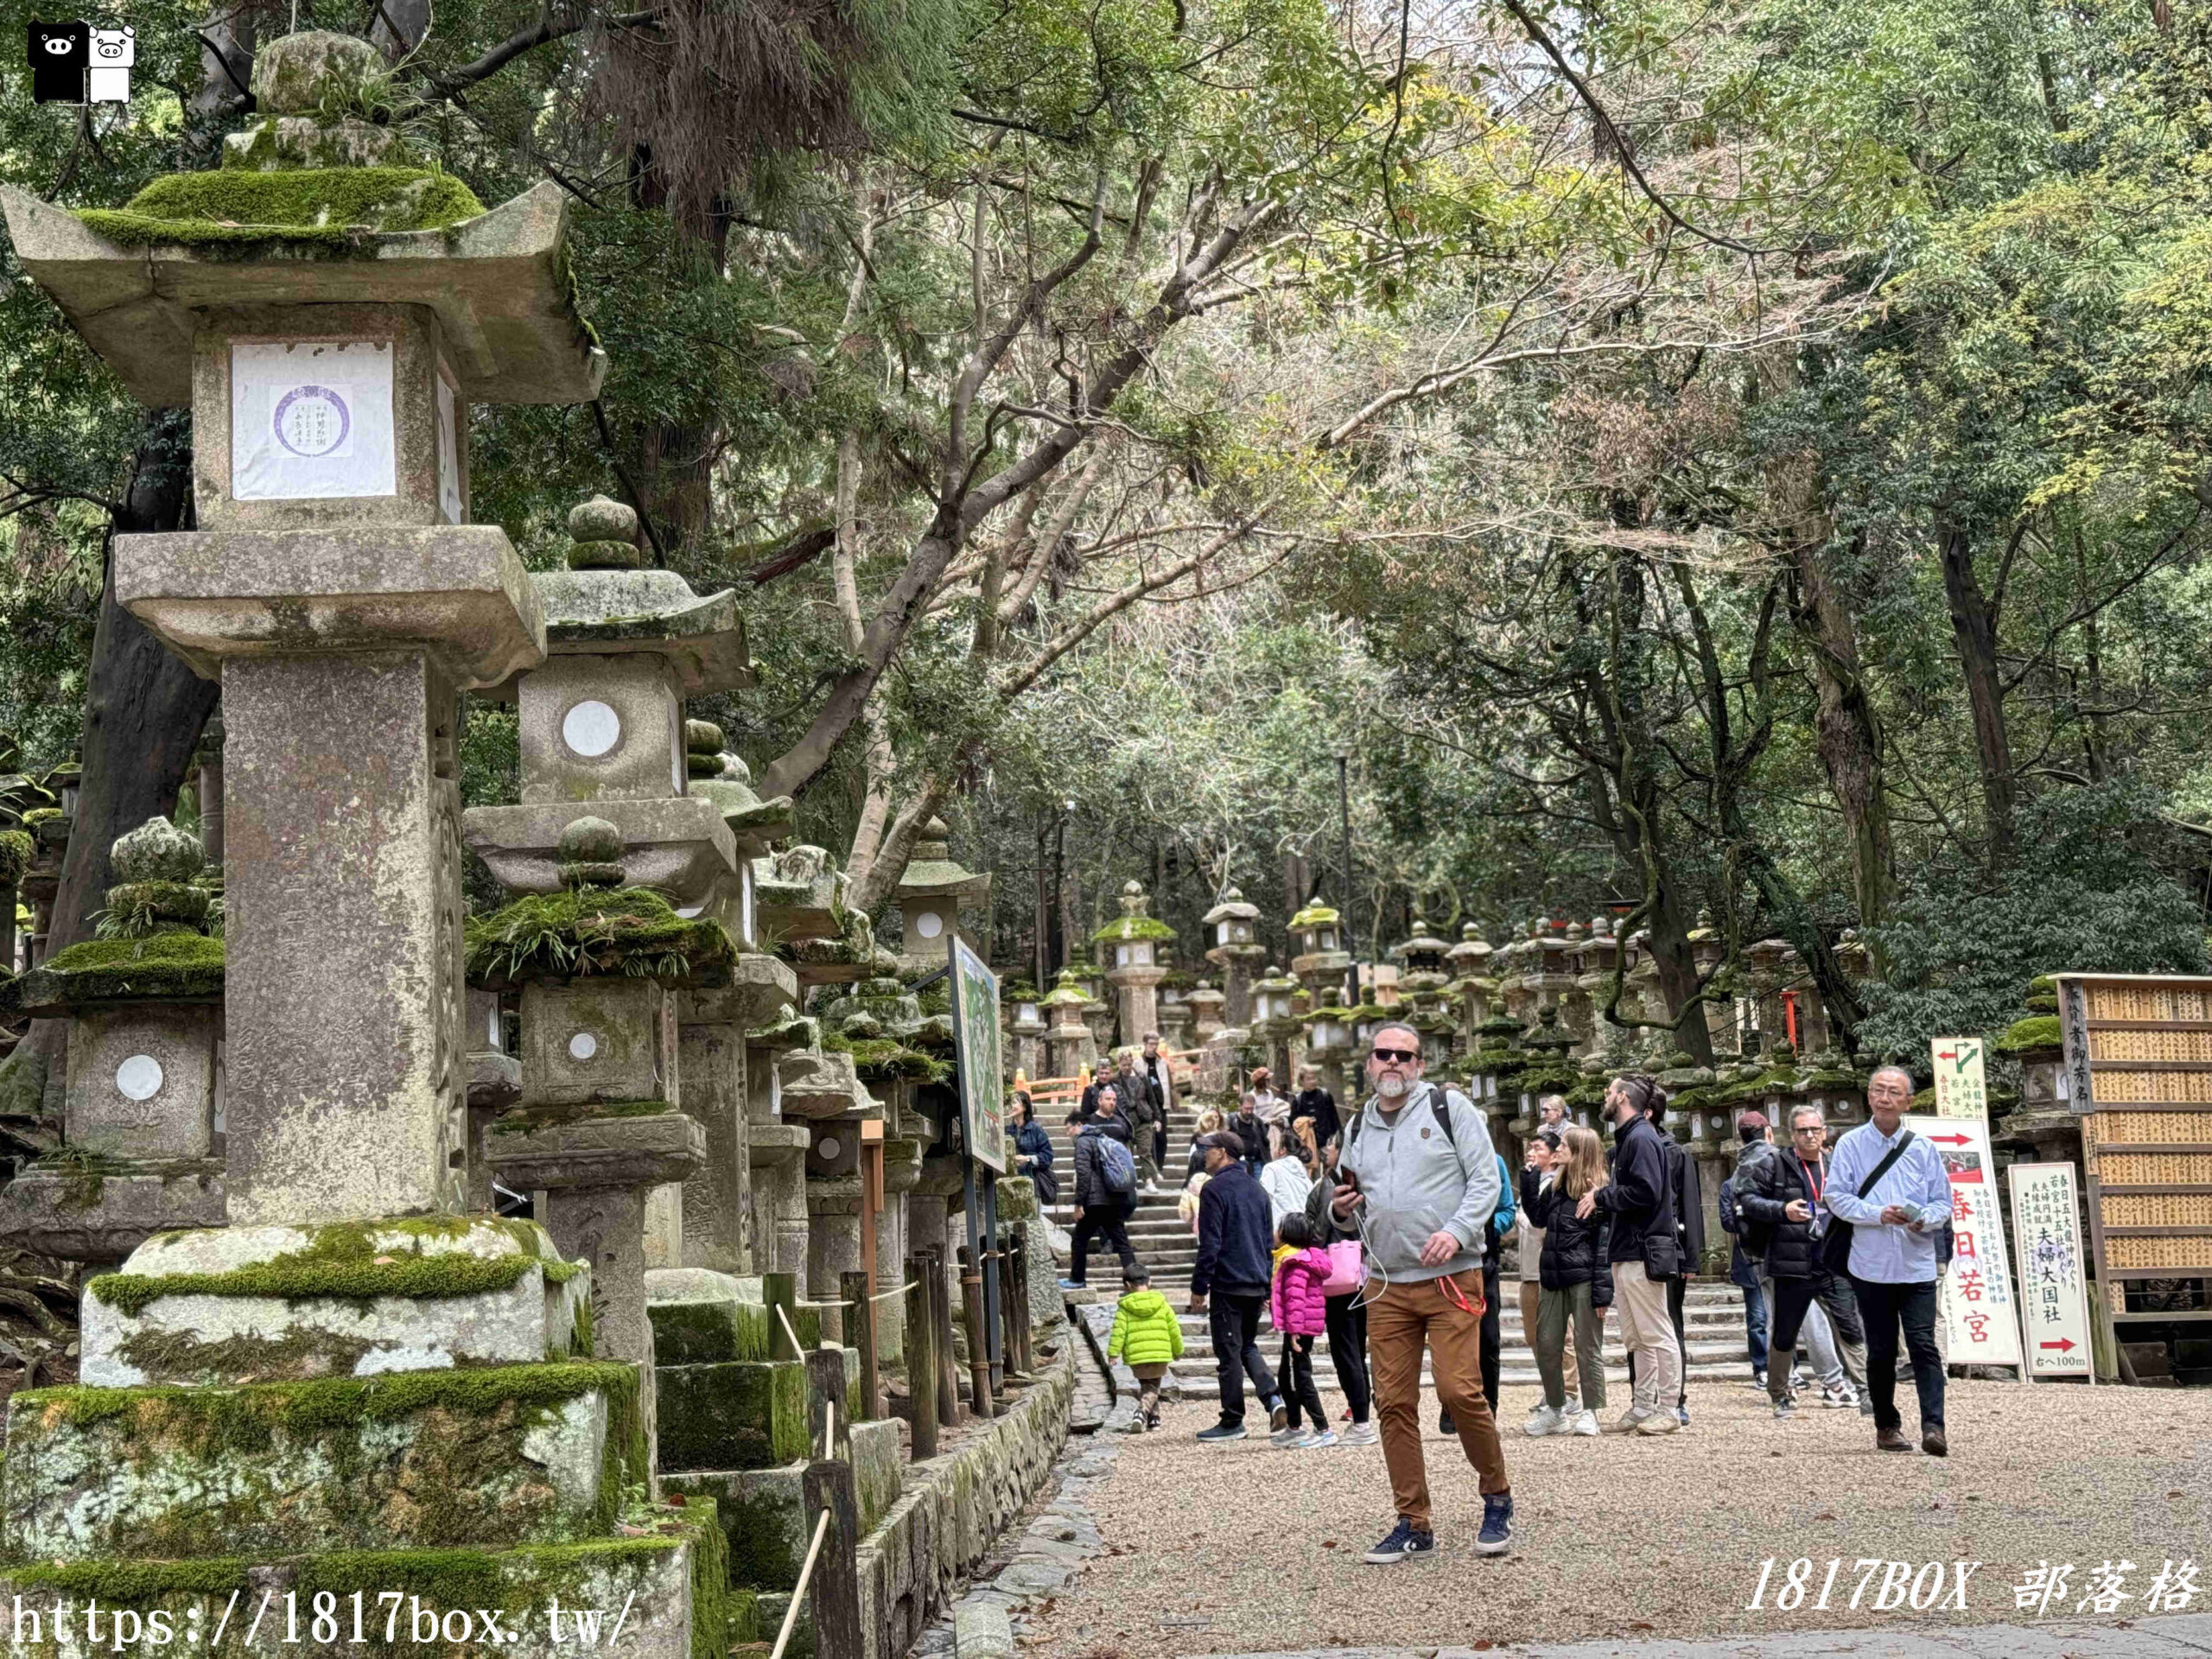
x=930, y=896
x=138, y=1110
x=1593, y=963
x=1206, y=1003
x=1068, y=1037
x=598, y=1127
x=1237, y=951
x=1131, y=945
x=1423, y=986
x=1471, y=987
x=1274, y=1019
x=329, y=329
x=1316, y=933
x=1029, y=1038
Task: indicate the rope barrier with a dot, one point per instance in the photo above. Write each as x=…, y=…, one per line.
x=799, y=1593
x=798, y=1347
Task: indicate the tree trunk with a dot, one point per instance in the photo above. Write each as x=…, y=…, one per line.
x=1974, y=626
x=143, y=707
x=1847, y=733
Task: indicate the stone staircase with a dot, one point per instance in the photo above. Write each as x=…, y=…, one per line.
x=1712, y=1312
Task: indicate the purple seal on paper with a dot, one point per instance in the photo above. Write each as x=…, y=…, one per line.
x=311, y=421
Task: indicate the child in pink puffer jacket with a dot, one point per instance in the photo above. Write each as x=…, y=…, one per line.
x=1301, y=1313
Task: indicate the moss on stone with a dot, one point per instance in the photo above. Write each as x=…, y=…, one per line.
x=15, y=850
x=454, y=1469
x=594, y=930
x=1133, y=927
x=885, y=1060
x=2037, y=1031
x=331, y=207
x=302, y=1351
x=38, y=815
x=529, y=1119
x=348, y=1262
x=168, y=967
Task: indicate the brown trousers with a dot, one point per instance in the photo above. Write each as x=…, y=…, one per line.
x=1531, y=1300
x=1401, y=1320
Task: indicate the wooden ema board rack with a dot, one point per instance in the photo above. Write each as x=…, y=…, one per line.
x=2138, y=1074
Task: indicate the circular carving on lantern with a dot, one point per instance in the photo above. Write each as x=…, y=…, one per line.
x=827, y=1148
x=928, y=925
x=591, y=729
x=139, y=1077
x=582, y=1045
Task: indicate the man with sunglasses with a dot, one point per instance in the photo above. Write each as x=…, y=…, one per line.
x=1418, y=1179
x=1783, y=1194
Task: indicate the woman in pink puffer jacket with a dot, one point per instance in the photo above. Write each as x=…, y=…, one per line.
x=1300, y=1311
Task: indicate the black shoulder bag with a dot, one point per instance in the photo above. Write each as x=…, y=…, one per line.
x=1835, y=1239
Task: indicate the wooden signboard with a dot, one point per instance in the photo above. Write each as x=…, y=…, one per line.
x=2139, y=1073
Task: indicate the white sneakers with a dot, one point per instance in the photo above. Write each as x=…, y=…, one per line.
x=1584, y=1422
x=1317, y=1439
x=1546, y=1420
x=1360, y=1434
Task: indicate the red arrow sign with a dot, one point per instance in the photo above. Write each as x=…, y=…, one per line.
x=1950, y=1140
x=2064, y=1344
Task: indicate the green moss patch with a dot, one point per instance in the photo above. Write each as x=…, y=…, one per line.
x=421, y=1457
x=586, y=930
x=348, y=1262
x=15, y=850
x=1134, y=927
x=2037, y=1031
x=527, y=1119
x=736, y=1415
x=597, y=1573
x=330, y=207
x=168, y=967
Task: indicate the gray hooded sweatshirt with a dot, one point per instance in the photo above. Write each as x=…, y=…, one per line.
x=1418, y=1181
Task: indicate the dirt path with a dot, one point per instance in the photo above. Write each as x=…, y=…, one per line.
x=1245, y=1548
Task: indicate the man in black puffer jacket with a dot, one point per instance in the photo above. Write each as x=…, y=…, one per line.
x=1644, y=1250
x=1783, y=1194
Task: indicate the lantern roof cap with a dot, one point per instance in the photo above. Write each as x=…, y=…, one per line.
x=498, y=281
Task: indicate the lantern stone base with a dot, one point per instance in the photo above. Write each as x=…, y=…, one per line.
x=737, y=1415
x=99, y=1210
x=680, y=846
x=666, y=1585
x=496, y=1456
x=280, y=1304
x=764, y=1518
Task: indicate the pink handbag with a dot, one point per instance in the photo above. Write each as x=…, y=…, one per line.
x=1347, y=1268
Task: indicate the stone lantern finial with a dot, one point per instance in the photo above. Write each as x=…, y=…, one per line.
x=309, y=72
x=156, y=851
x=603, y=536
x=591, y=854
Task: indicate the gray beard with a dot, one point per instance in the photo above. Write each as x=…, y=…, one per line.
x=1392, y=1088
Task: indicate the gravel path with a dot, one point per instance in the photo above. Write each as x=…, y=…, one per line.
x=1244, y=1548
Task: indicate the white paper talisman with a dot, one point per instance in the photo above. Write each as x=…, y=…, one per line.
x=311, y=420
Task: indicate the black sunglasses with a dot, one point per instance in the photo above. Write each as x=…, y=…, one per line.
x=1388, y=1054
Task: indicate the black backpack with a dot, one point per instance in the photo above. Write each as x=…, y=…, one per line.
x=1440, y=1108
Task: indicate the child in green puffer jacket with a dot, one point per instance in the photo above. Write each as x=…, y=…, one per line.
x=1148, y=1335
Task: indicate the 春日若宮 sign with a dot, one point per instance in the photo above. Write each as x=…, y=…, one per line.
x=311, y=420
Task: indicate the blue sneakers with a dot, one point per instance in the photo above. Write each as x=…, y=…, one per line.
x=1495, y=1537
x=1403, y=1544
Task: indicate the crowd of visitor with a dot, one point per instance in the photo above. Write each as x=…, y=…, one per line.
x=1382, y=1228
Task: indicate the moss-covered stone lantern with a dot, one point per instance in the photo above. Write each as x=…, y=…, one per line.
x=1471, y=987
x=1068, y=1037
x=931, y=895
x=1131, y=944
x=145, y=1008
x=1236, y=950
x=330, y=326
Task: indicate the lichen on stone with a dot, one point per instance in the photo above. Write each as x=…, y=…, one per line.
x=16, y=850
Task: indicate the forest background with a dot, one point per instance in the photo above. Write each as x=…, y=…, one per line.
x=1725, y=462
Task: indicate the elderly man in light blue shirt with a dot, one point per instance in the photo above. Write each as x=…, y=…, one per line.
x=1893, y=1267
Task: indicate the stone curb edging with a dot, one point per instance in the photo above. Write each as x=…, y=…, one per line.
x=987, y=1621
x=953, y=1509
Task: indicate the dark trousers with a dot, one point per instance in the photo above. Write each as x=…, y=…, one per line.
x=1675, y=1288
x=1109, y=1221
x=1884, y=1307
x=1160, y=1144
x=1348, y=1350
x=1492, y=1340
x=1755, y=1312
x=1234, y=1321
x=1294, y=1381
